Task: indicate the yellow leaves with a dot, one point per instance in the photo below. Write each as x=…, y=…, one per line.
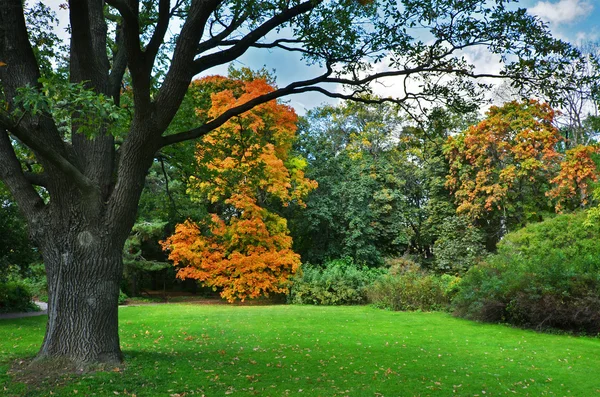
x=2, y=64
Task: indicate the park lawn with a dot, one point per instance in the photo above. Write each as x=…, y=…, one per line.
x=217, y=350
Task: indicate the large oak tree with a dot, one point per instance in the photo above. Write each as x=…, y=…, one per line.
x=94, y=176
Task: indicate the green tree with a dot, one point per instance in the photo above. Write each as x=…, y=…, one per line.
x=96, y=127
x=16, y=251
x=381, y=183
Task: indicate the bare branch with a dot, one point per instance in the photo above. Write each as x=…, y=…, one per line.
x=164, y=15
x=217, y=39
x=119, y=65
x=12, y=175
x=140, y=72
x=222, y=57
x=279, y=43
x=48, y=153
x=224, y=117
x=180, y=73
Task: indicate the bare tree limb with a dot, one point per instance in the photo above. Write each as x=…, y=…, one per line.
x=211, y=60
x=180, y=73
x=48, y=153
x=164, y=15
x=12, y=175
x=119, y=66
x=217, y=39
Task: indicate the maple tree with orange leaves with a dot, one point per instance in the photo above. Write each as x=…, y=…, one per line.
x=509, y=164
x=245, y=249
x=572, y=184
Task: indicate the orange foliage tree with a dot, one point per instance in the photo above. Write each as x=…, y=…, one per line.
x=244, y=249
x=571, y=186
x=508, y=167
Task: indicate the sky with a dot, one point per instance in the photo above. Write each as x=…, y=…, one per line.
x=576, y=21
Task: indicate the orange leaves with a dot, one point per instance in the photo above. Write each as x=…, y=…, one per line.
x=245, y=250
x=577, y=171
x=249, y=257
x=510, y=160
x=503, y=157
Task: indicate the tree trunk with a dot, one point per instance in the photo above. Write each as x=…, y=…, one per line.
x=84, y=271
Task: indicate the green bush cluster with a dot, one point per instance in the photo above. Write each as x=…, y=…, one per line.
x=546, y=275
x=409, y=288
x=36, y=282
x=15, y=297
x=122, y=298
x=337, y=282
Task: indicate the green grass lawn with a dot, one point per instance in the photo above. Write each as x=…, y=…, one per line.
x=191, y=350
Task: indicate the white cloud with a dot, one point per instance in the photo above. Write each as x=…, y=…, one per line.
x=563, y=11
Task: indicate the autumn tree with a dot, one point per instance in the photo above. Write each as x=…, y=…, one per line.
x=242, y=166
x=507, y=171
x=93, y=149
x=572, y=186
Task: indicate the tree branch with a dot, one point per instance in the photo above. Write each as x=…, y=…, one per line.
x=222, y=57
x=217, y=39
x=164, y=15
x=36, y=179
x=48, y=153
x=180, y=73
x=12, y=175
x=119, y=65
x=89, y=61
x=228, y=114
x=140, y=72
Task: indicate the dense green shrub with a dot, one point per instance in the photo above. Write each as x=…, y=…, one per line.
x=337, y=282
x=546, y=275
x=409, y=288
x=15, y=297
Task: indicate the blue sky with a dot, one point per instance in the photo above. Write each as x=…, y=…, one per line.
x=571, y=20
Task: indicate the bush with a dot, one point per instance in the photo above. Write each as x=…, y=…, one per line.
x=36, y=282
x=409, y=288
x=15, y=297
x=545, y=275
x=122, y=298
x=338, y=282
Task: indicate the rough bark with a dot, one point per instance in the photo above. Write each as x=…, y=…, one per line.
x=84, y=274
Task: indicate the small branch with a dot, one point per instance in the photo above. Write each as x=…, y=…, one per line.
x=140, y=72
x=119, y=65
x=171, y=199
x=225, y=116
